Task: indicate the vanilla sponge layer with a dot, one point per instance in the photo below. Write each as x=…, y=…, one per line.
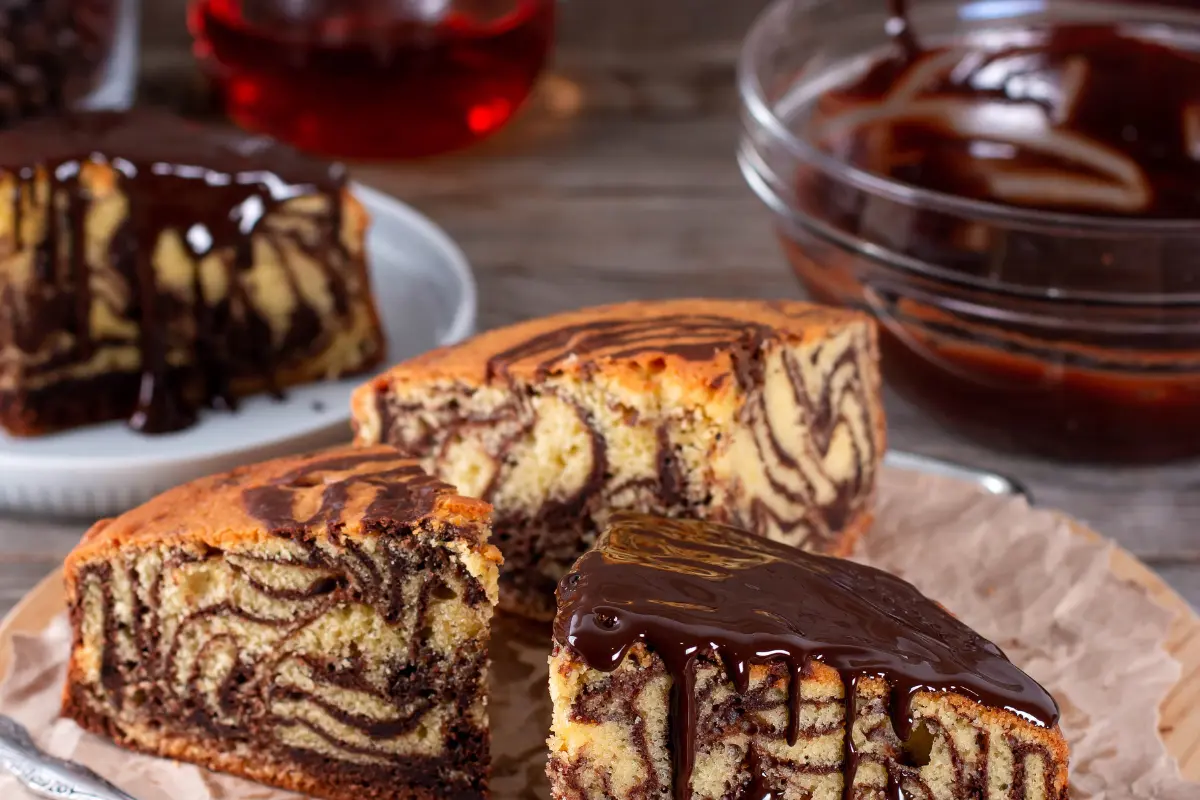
x=367, y=655
x=611, y=737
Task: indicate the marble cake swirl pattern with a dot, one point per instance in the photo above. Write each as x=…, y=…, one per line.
x=401, y=492
x=693, y=337
x=724, y=620
x=788, y=448
x=348, y=654
x=130, y=183
x=759, y=769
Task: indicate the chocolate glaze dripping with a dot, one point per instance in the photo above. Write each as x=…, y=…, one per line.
x=685, y=587
x=900, y=27
x=213, y=190
x=759, y=787
x=80, y=275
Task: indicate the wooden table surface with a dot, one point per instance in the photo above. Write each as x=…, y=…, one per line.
x=570, y=207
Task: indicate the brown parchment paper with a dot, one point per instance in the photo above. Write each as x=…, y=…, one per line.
x=1019, y=576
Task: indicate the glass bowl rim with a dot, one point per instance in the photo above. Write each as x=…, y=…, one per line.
x=760, y=113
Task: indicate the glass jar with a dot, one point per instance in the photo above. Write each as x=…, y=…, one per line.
x=373, y=78
x=57, y=55
x=1066, y=326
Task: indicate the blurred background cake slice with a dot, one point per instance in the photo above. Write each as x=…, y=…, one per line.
x=762, y=414
x=316, y=623
x=150, y=267
x=696, y=660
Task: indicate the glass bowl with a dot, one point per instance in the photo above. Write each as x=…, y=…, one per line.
x=1062, y=334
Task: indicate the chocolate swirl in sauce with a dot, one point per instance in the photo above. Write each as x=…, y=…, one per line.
x=214, y=191
x=1070, y=337
x=687, y=589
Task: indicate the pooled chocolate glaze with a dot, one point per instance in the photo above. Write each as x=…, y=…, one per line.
x=684, y=588
x=1089, y=119
x=1050, y=354
x=212, y=189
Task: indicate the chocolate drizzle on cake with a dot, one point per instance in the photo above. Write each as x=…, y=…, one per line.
x=692, y=337
x=213, y=190
x=688, y=589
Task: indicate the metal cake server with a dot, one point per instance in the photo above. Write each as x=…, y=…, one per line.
x=990, y=482
x=47, y=776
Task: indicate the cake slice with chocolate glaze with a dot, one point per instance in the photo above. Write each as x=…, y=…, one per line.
x=696, y=660
x=762, y=414
x=316, y=623
x=150, y=267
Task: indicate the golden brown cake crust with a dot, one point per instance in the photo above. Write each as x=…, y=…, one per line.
x=213, y=511
x=636, y=339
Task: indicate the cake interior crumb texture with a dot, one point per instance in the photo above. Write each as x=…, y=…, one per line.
x=693, y=661
x=319, y=624
x=766, y=415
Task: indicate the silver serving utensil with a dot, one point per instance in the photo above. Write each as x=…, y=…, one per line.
x=47, y=776
x=991, y=482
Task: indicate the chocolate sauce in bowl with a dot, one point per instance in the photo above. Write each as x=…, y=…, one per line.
x=684, y=588
x=899, y=26
x=1085, y=119
x=1034, y=256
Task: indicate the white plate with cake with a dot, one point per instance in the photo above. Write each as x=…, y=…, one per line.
x=228, y=311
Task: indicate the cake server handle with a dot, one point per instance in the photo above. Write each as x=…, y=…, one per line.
x=990, y=482
x=47, y=776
